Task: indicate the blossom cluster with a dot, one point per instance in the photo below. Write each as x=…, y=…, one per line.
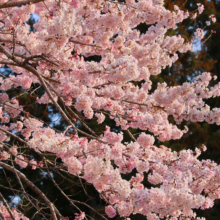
x=54, y=55
x=182, y=178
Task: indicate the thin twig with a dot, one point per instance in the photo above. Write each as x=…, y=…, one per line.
x=7, y=206
x=53, y=209
x=78, y=42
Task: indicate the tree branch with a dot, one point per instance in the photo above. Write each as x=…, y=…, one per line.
x=3, y=217
x=35, y=72
x=20, y=3
x=7, y=206
x=53, y=209
x=78, y=42
x=14, y=136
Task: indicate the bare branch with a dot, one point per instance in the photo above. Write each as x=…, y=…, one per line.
x=131, y=136
x=53, y=209
x=8, y=63
x=63, y=193
x=10, y=41
x=7, y=206
x=3, y=217
x=84, y=124
x=78, y=42
x=82, y=203
x=20, y=3
x=14, y=136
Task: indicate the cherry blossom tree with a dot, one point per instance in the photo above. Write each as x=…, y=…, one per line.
x=118, y=87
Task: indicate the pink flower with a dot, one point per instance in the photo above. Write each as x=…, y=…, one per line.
x=75, y=3
x=199, y=33
x=80, y=216
x=200, y=8
x=33, y=164
x=13, y=150
x=145, y=140
x=20, y=160
x=110, y=211
x=100, y=117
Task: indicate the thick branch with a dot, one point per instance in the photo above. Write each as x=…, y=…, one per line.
x=8, y=63
x=20, y=3
x=1, y=215
x=131, y=136
x=10, y=41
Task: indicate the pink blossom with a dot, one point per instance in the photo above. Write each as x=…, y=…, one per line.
x=200, y=8
x=145, y=140
x=20, y=160
x=13, y=150
x=33, y=164
x=100, y=117
x=110, y=211
x=199, y=33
